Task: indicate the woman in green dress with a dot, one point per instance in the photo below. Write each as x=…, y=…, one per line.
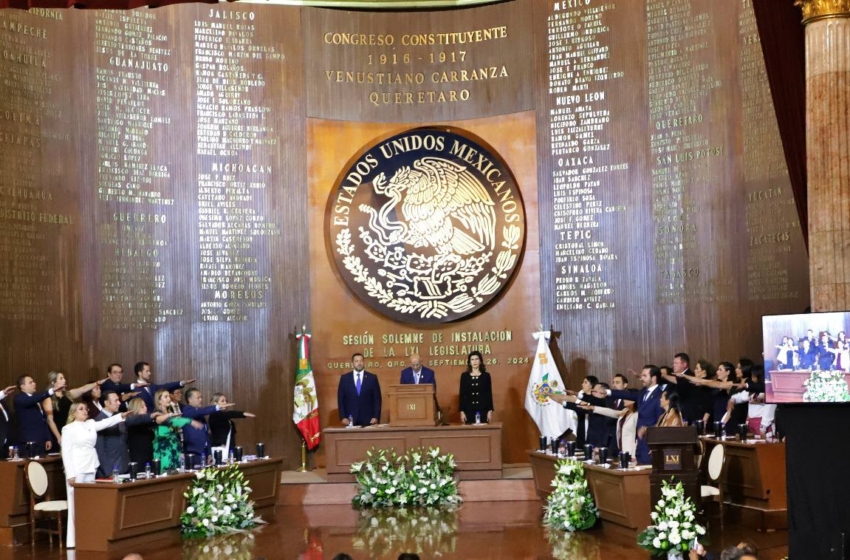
x=166, y=440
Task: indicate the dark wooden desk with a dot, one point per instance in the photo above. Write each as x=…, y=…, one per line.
x=146, y=512
x=622, y=496
x=754, y=482
x=477, y=449
x=15, y=498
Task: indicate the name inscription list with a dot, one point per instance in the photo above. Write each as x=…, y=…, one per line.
x=132, y=67
x=237, y=143
x=579, y=47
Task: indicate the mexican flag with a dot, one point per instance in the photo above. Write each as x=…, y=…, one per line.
x=550, y=417
x=305, y=413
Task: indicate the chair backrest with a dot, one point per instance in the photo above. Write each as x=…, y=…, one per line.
x=37, y=478
x=715, y=462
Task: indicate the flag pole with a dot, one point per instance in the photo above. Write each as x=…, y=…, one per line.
x=303, y=442
x=303, y=456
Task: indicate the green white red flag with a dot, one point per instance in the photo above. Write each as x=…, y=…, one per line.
x=305, y=413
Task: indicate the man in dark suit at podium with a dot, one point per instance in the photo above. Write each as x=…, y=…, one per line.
x=359, y=395
x=417, y=374
x=648, y=407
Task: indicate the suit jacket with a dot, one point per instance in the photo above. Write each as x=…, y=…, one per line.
x=426, y=375
x=807, y=359
x=648, y=409
x=148, y=392
x=625, y=438
x=221, y=424
x=361, y=407
x=31, y=423
x=114, y=387
x=111, y=444
x=197, y=440
x=119, y=388
x=597, y=425
x=140, y=443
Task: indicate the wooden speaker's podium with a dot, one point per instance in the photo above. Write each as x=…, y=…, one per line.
x=412, y=405
x=674, y=453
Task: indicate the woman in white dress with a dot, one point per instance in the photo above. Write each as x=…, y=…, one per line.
x=79, y=457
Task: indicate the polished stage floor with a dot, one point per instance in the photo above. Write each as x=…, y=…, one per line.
x=476, y=530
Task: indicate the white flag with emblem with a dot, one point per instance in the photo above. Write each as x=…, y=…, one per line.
x=551, y=418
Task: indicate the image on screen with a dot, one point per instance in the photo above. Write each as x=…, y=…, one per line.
x=806, y=357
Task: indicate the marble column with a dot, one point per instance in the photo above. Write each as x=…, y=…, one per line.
x=828, y=150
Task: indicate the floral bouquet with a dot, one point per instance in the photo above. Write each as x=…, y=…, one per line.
x=826, y=386
x=217, y=503
x=419, y=478
x=570, y=506
x=675, y=529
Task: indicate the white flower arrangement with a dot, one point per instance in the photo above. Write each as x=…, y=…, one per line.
x=217, y=503
x=419, y=478
x=570, y=506
x=826, y=386
x=675, y=528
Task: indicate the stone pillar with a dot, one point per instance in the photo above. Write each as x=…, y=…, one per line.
x=828, y=150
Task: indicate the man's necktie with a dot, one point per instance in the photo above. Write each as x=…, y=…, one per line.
x=357, y=383
x=416, y=378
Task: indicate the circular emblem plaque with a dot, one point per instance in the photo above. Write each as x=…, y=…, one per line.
x=426, y=226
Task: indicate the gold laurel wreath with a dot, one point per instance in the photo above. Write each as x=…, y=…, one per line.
x=488, y=285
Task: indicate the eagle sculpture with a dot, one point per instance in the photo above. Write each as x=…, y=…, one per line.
x=433, y=194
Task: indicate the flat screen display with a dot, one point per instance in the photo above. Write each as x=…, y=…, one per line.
x=806, y=357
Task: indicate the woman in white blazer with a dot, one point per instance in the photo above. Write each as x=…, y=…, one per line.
x=79, y=457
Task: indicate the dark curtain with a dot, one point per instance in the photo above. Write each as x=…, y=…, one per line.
x=818, y=469
x=783, y=44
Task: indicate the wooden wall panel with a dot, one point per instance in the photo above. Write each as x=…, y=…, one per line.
x=40, y=218
x=691, y=231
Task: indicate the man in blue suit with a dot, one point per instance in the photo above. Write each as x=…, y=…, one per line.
x=417, y=374
x=359, y=395
x=32, y=427
x=147, y=392
x=197, y=440
x=649, y=409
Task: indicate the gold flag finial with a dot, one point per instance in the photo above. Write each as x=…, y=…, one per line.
x=814, y=10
